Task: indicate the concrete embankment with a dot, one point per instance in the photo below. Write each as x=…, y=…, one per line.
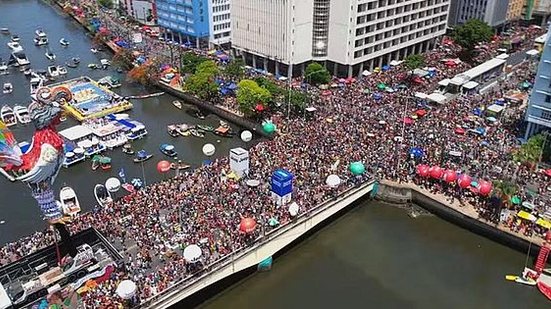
x=223, y=273
x=405, y=193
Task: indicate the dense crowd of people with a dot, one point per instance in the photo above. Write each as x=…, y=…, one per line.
x=356, y=122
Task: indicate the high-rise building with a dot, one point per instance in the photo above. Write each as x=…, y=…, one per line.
x=541, y=11
x=516, y=9
x=143, y=11
x=493, y=12
x=538, y=114
x=219, y=22
x=185, y=21
x=348, y=36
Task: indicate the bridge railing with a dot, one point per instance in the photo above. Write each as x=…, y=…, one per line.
x=221, y=263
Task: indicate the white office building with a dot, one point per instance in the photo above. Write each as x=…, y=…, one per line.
x=348, y=36
x=219, y=23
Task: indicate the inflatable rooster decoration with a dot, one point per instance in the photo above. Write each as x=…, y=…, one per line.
x=39, y=166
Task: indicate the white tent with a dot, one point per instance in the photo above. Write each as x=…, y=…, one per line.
x=470, y=85
x=366, y=73
x=395, y=62
x=437, y=98
x=420, y=73
x=494, y=108
x=192, y=253
x=444, y=82
x=533, y=52
x=126, y=289
x=421, y=95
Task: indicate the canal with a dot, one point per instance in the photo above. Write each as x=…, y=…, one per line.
x=377, y=256
x=17, y=208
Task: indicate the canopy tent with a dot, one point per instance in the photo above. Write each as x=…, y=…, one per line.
x=395, y=62
x=420, y=112
x=528, y=205
x=515, y=200
x=381, y=86
x=543, y=223
x=450, y=176
x=464, y=180
x=416, y=152
x=526, y=216
x=420, y=73
x=436, y=172
x=533, y=52
x=484, y=187
x=444, y=82
x=421, y=95
x=496, y=109
x=357, y=168
x=437, y=98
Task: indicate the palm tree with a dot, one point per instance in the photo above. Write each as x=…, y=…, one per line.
x=505, y=191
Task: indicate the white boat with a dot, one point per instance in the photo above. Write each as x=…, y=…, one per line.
x=15, y=38
x=35, y=83
x=40, y=41
x=93, y=50
x=4, y=30
x=51, y=56
x=22, y=114
x=19, y=59
x=7, y=88
x=105, y=63
x=4, y=68
x=7, y=116
x=53, y=71
x=61, y=70
x=40, y=33
x=103, y=197
x=15, y=46
x=69, y=201
x=64, y=42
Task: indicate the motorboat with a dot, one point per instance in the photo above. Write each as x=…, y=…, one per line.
x=40, y=41
x=61, y=70
x=4, y=68
x=22, y=114
x=64, y=42
x=93, y=50
x=172, y=130
x=545, y=289
x=36, y=82
x=71, y=65
x=127, y=149
x=53, y=71
x=142, y=156
x=136, y=132
x=27, y=72
x=40, y=33
x=168, y=150
x=179, y=166
x=92, y=66
x=69, y=201
x=177, y=104
x=197, y=133
x=7, y=88
x=15, y=46
x=103, y=162
x=7, y=116
x=109, y=82
x=224, y=131
x=18, y=59
x=75, y=60
x=105, y=63
x=103, y=197
x=205, y=128
x=51, y=56
x=15, y=38
x=4, y=30
x=183, y=129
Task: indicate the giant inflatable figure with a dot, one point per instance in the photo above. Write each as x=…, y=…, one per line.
x=39, y=166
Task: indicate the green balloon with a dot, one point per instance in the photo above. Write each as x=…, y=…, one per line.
x=269, y=127
x=515, y=200
x=357, y=168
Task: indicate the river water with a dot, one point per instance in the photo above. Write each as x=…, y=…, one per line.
x=17, y=208
x=377, y=256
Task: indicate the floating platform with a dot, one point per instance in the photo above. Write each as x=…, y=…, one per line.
x=90, y=100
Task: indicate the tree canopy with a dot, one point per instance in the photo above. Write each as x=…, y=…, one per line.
x=234, y=69
x=474, y=31
x=124, y=59
x=530, y=151
x=317, y=74
x=202, y=83
x=106, y=3
x=249, y=94
x=190, y=61
x=298, y=100
x=414, y=61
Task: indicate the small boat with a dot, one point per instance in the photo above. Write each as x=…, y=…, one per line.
x=197, y=133
x=36, y=82
x=94, y=50
x=544, y=289
x=179, y=166
x=103, y=197
x=109, y=82
x=27, y=72
x=92, y=66
x=40, y=41
x=223, y=131
x=69, y=201
x=61, y=70
x=7, y=88
x=177, y=104
x=4, y=30
x=64, y=42
x=22, y=114
x=40, y=33
x=105, y=63
x=127, y=149
x=15, y=46
x=71, y=65
x=51, y=56
x=168, y=150
x=205, y=128
x=4, y=68
x=53, y=71
x=96, y=162
x=7, y=116
x=75, y=60
x=19, y=59
x=142, y=156
x=15, y=38
x=172, y=130
x=105, y=163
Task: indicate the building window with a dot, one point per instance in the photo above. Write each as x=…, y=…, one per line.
x=546, y=115
x=548, y=99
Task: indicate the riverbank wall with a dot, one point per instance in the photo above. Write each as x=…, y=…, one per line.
x=221, y=274
x=406, y=193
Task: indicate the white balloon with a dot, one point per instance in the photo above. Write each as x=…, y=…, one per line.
x=209, y=149
x=246, y=136
x=113, y=184
x=333, y=181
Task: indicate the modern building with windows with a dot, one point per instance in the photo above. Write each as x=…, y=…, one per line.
x=493, y=12
x=348, y=36
x=185, y=21
x=219, y=22
x=538, y=114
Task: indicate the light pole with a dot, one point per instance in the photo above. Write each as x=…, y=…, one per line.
x=308, y=79
x=403, y=129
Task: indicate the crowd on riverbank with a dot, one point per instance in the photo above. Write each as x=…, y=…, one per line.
x=205, y=206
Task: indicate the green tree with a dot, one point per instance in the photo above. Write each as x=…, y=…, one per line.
x=474, y=31
x=505, y=191
x=202, y=85
x=190, y=61
x=414, y=61
x=317, y=74
x=530, y=151
x=249, y=94
x=208, y=67
x=234, y=69
x=298, y=100
x=275, y=90
x=106, y=3
x=124, y=59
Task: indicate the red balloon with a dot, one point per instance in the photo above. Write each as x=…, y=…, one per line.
x=464, y=181
x=422, y=170
x=436, y=172
x=484, y=187
x=450, y=176
x=163, y=166
x=247, y=225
